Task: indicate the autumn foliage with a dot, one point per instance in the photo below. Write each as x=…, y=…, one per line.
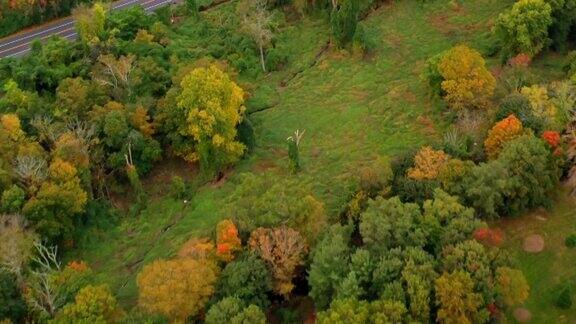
x=176, y=288
x=227, y=240
x=552, y=138
x=502, y=132
x=467, y=83
x=489, y=236
x=283, y=249
x=428, y=163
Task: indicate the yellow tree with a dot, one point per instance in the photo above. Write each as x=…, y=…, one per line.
x=511, y=286
x=90, y=22
x=503, y=131
x=428, y=163
x=457, y=301
x=176, y=288
x=213, y=106
x=92, y=304
x=467, y=83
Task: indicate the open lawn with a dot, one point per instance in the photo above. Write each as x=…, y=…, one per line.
x=553, y=268
x=352, y=108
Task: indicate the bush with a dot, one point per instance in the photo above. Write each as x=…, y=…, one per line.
x=564, y=299
x=178, y=187
x=519, y=106
x=344, y=20
x=570, y=241
x=524, y=29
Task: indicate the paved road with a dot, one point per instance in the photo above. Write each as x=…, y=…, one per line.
x=19, y=44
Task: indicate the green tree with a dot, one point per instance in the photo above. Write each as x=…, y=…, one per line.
x=563, y=21
x=224, y=310
x=247, y=279
x=345, y=311
x=388, y=311
x=447, y=221
x=263, y=200
x=330, y=264
x=212, y=105
x=12, y=305
x=389, y=223
x=524, y=29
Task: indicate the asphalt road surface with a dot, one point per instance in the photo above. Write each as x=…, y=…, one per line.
x=19, y=44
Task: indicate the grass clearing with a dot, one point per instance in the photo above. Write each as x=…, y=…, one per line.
x=352, y=109
x=548, y=271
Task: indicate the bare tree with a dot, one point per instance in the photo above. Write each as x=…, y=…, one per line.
x=44, y=295
x=115, y=74
x=16, y=245
x=257, y=22
x=31, y=169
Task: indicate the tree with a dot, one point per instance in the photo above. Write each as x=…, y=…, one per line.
x=12, y=305
x=388, y=311
x=471, y=257
x=502, y=132
x=345, y=311
x=90, y=22
x=176, y=288
x=457, y=300
x=389, y=223
x=330, y=264
x=115, y=74
x=12, y=199
x=16, y=245
x=344, y=20
x=227, y=240
x=283, y=249
x=58, y=201
x=246, y=278
x=532, y=174
x=542, y=107
x=256, y=22
x=511, y=286
x=93, y=304
x=418, y=291
x=524, y=29
x=212, y=107
x=428, y=164
x=263, y=200
x=232, y=310
x=466, y=81
x=563, y=21
x=447, y=221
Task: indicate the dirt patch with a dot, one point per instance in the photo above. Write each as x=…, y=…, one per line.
x=533, y=243
x=157, y=183
x=522, y=315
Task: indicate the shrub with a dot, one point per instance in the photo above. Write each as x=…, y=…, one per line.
x=519, y=106
x=466, y=81
x=570, y=241
x=564, y=299
x=524, y=29
x=178, y=187
x=344, y=20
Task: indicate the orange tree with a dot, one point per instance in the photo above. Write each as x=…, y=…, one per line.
x=503, y=131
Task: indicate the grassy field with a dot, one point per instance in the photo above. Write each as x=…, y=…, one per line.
x=351, y=107
x=548, y=271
